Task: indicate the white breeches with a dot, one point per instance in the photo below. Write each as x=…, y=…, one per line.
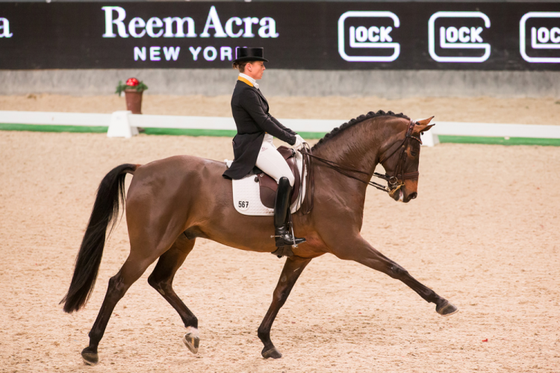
x=271, y=162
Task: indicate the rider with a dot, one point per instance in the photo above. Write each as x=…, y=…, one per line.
x=253, y=146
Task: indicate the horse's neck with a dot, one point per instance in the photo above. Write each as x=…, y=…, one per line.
x=357, y=147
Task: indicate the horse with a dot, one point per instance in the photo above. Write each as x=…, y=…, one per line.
x=173, y=201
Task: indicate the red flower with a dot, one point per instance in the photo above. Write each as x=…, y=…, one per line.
x=132, y=82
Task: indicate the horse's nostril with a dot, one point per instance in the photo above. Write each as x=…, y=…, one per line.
x=413, y=195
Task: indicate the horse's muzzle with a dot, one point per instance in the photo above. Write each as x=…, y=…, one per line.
x=399, y=194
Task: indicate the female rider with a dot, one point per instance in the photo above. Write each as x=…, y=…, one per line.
x=252, y=145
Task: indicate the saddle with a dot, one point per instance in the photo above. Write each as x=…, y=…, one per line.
x=268, y=186
x=255, y=194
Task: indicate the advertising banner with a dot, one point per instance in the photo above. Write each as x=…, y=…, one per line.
x=295, y=35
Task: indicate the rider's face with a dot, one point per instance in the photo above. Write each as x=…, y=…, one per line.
x=255, y=69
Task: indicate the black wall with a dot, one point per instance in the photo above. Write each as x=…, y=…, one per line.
x=296, y=35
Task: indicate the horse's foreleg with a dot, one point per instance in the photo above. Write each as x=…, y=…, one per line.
x=362, y=252
x=161, y=279
x=290, y=273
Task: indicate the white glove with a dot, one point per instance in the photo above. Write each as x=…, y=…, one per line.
x=299, y=142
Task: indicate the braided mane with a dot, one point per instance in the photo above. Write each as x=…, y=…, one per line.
x=354, y=121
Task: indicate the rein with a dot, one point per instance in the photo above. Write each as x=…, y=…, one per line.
x=347, y=171
x=395, y=181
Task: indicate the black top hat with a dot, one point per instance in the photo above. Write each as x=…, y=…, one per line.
x=248, y=54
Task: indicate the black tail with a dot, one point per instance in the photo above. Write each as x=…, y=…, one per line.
x=106, y=208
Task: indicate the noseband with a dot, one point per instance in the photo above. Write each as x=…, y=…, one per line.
x=395, y=181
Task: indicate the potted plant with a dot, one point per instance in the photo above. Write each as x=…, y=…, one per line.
x=133, y=90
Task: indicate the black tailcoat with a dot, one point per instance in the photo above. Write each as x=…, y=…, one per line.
x=250, y=112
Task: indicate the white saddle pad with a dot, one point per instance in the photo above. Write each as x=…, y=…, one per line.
x=246, y=194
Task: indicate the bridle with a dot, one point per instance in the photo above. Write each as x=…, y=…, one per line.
x=394, y=181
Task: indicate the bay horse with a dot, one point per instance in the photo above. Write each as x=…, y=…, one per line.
x=171, y=202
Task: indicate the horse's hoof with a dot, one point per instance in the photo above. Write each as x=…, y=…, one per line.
x=90, y=357
x=446, y=308
x=273, y=353
x=191, y=339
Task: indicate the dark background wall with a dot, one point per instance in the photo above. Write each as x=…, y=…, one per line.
x=387, y=48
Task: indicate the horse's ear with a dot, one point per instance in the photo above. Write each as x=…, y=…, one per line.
x=425, y=121
x=423, y=125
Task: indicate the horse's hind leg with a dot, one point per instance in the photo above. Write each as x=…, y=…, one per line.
x=118, y=285
x=362, y=252
x=161, y=279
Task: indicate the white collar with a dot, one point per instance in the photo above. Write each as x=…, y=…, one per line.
x=253, y=81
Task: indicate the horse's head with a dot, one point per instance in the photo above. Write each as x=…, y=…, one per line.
x=401, y=158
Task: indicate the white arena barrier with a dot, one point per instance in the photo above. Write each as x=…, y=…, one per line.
x=52, y=118
x=125, y=124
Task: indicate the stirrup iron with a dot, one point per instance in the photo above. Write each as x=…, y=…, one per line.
x=295, y=241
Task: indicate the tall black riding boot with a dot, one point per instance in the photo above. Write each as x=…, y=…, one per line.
x=282, y=231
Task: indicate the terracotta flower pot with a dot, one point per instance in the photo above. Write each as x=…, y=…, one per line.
x=133, y=101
